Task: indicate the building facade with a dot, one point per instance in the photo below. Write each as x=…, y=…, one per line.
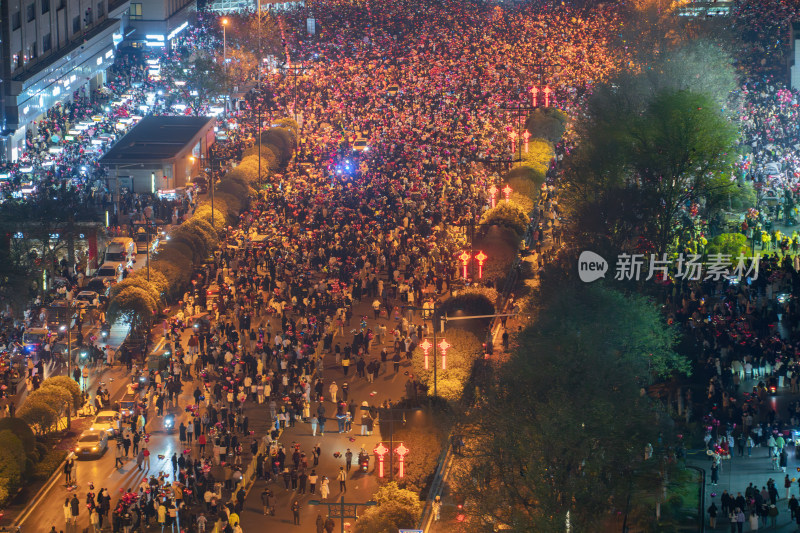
x=157, y=23
x=50, y=49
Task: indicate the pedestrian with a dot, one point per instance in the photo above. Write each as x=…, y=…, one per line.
x=312, y=482
x=68, y=466
x=329, y=525
x=320, y=524
x=348, y=459
x=787, y=484
x=266, y=495
x=118, y=457
x=739, y=516
x=314, y=422
x=324, y=488
x=712, y=514
x=341, y=477
x=437, y=508
x=296, y=512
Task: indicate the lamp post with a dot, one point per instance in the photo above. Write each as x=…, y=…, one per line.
x=547, y=91
x=225, y=59
x=492, y=193
x=481, y=257
x=465, y=257
x=380, y=451
x=426, y=346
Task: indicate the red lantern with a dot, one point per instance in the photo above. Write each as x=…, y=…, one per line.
x=381, y=451
x=425, y=345
x=401, y=452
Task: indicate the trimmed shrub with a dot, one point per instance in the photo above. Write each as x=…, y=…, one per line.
x=138, y=279
x=134, y=305
x=464, y=349
x=548, y=123
x=39, y=415
x=50, y=461
x=58, y=397
x=525, y=203
x=195, y=243
x=12, y=464
x=68, y=384
x=540, y=153
x=203, y=212
x=507, y=215
x=732, y=244
x=526, y=180
x=21, y=429
x=501, y=245
x=176, y=277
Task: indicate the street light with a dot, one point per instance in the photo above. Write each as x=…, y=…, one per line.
x=225, y=59
x=534, y=91
x=465, y=257
x=507, y=192
x=481, y=257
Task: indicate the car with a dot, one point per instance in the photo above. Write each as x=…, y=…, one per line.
x=87, y=299
x=33, y=338
x=92, y=443
x=107, y=421
x=360, y=145
x=144, y=241
x=392, y=90
x=109, y=273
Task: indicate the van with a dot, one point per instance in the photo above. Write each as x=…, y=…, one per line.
x=121, y=250
x=34, y=338
x=128, y=402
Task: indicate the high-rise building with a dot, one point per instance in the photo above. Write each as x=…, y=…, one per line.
x=50, y=49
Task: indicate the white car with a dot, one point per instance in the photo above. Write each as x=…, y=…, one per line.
x=110, y=273
x=107, y=421
x=87, y=299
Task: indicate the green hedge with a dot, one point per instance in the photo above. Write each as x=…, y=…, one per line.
x=547, y=123
x=49, y=463
x=508, y=215
x=465, y=347
x=12, y=464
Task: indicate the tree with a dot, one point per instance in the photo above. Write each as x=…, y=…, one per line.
x=133, y=305
x=567, y=425
x=732, y=244
x=68, y=384
x=39, y=415
x=635, y=174
x=397, y=509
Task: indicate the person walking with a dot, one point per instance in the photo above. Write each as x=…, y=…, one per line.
x=266, y=494
x=712, y=514
x=118, y=454
x=320, y=524
x=75, y=508
x=296, y=512
x=68, y=466
x=341, y=477
x=333, y=389
x=312, y=482
x=324, y=488
x=739, y=516
x=348, y=459
x=329, y=525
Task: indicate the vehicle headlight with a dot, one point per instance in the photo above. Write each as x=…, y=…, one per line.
x=78, y=449
x=94, y=448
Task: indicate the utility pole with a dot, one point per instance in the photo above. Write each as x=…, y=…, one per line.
x=519, y=112
x=343, y=509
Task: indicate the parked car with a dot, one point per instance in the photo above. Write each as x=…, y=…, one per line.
x=87, y=300
x=109, y=273
x=92, y=443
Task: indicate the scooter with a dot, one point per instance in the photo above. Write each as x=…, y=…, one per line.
x=169, y=423
x=363, y=461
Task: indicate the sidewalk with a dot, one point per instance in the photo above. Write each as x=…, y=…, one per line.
x=738, y=472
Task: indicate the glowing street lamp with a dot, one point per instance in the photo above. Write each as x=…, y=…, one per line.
x=401, y=452
x=507, y=192
x=465, y=257
x=512, y=136
x=443, y=346
x=381, y=451
x=547, y=91
x=526, y=135
x=534, y=91
x=481, y=257
x=425, y=345
x=493, y=192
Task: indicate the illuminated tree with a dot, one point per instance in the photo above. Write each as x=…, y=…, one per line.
x=397, y=509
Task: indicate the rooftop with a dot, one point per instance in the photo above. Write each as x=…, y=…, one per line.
x=157, y=138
